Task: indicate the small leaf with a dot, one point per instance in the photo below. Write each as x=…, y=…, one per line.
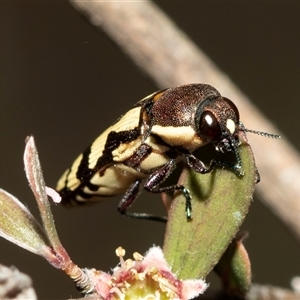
x=36, y=181
x=234, y=268
x=19, y=226
x=220, y=203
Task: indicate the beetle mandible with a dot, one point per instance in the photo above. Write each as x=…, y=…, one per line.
x=147, y=142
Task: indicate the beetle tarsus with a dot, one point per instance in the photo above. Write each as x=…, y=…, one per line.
x=145, y=216
x=188, y=203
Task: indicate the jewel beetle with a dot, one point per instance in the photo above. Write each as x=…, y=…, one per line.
x=144, y=146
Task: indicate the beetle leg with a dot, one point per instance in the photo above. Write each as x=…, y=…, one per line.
x=159, y=176
x=198, y=166
x=129, y=197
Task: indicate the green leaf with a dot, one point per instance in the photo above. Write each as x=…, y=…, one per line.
x=220, y=203
x=234, y=269
x=19, y=226
x=36, y=181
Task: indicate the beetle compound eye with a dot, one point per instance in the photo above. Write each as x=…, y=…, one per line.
x=209, y=127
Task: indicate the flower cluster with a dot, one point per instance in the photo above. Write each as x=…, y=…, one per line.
x=146, y=278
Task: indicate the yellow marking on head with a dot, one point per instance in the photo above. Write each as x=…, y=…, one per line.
x=230, y=125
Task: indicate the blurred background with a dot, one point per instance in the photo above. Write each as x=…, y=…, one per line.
x=64, y=82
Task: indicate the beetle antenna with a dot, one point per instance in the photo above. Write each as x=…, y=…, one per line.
x=265, y=134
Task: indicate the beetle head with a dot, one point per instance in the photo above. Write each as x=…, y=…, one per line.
x=217, y=122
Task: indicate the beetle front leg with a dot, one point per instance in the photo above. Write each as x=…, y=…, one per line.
x=198, y=166
x=159, y=176
x=128, y=199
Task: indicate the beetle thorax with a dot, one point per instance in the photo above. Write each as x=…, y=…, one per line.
x=172, y=119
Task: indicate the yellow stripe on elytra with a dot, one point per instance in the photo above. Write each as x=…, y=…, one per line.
x=128, y=122
x=124, y=151
x=70, y=175
x=115, y=180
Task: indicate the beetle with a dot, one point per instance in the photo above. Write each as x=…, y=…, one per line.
x=146, y=144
